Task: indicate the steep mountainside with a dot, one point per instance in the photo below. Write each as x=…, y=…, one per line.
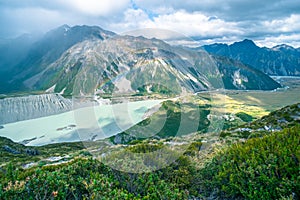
x=46, y=50
x=82, y=60
x=122, y=64
x=280, y=60
x=237, y=75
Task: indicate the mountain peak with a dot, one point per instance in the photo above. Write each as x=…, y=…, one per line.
x=248, y=41
x=245, y=42
x=282, y=47
x=64, y=27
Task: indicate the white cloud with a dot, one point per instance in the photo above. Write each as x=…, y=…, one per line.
x=33, y=19
x=271, y=41
x=208, y=29
x=289, y=24
x=195, y=24
x=163, y=10
x=207, y=20
x=190, y=24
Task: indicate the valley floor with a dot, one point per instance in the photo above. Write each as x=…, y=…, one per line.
x=224, y=164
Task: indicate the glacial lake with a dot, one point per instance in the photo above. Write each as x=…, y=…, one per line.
x=83, y=124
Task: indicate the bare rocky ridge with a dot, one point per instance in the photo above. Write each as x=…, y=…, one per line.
x=33, y=106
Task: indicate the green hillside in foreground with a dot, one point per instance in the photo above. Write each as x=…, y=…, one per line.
x=277, y=120
x=260, y=168
x=266, y=166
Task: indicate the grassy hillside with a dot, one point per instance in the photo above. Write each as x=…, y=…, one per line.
x=286, y=117
x=167, y=120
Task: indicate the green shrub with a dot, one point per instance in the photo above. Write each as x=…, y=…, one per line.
x=194, y=148
x=261, y=168
x=244, y=116
x=85, y=179
x=145, y=148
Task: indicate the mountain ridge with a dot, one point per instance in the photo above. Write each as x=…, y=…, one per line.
x=280, y=60
x=66, y=54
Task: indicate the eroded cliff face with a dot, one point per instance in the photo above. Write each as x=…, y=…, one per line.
x=33, y=106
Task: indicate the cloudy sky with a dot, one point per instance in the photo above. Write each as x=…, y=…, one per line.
x=267, y=22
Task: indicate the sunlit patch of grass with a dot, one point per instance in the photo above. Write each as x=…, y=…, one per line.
x=254, y=103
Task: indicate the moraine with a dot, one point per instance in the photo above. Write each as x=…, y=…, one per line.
x=83, y=124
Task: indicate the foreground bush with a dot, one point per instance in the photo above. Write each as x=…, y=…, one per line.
x=85, y=179
x=261, y=168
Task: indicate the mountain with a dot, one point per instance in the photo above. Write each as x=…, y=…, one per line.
x=89, y=59
x=280, y=60
x=47, y=50
x=237, y=75
x=117, y=65
x=12, y=51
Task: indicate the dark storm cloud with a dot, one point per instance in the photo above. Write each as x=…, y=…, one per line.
x=232, y=10
x=208, y=20
x=39, y=16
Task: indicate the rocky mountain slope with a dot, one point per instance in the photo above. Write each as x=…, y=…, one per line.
x=280, y=60
x=33, y=106
x=90, y=59
x=45, y=51
x=237, y=75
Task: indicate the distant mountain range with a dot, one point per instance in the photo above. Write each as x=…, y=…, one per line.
x=281, y=60
x=89, y=59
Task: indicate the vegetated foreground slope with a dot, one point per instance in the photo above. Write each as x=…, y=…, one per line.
x=286, y=117
x=261, y=168
x=266, y=167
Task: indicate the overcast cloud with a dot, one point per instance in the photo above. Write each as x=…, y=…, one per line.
x=267, y=22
